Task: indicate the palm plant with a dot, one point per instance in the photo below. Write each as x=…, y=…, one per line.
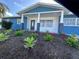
x=3, y=9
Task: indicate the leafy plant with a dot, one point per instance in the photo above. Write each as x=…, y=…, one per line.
x=48, y=37
x=29, y=42
x=72, y=41
x=3, y=9
x=33, y=35
x=8, y=31
x=19, y=33
x=0, y=23
x=3, y=37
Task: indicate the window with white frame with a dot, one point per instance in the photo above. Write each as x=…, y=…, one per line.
x=78, y=21
x=7, y=20
x=18, y=21
x=42, y=23
x=46, y=23
x=69, y=21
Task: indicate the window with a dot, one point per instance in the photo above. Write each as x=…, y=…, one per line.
x=7, y=20
x=46, y=23
x=42, y=23
x=78, y=21
x=18, y=21
x=69, y=21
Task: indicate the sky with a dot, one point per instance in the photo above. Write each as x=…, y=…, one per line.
x=17, y=5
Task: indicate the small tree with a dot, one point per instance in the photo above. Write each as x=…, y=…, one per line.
x=3, y=10
x=6, y=25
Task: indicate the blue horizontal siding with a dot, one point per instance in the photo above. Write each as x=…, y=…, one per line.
x=15, y=26
x=41, y=9
x=71, y=30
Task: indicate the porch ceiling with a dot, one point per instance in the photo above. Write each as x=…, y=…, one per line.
x=43, y=14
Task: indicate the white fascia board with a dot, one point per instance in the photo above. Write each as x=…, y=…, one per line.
x=43, y=12
x=39, y=4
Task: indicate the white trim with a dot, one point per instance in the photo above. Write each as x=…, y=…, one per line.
x=38, y=21
x=39, y=4
x=43, y=12
x=62, y=17
x=70, y=18
x=72, y=25
x=18, y=21
x=22, y=17
x=75, y=22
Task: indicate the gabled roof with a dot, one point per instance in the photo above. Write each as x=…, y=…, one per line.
x=40, y=4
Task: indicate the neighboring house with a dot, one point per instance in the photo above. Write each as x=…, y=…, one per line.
x=46, y=17
x=16, y=22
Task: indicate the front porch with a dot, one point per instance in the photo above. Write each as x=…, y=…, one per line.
x=51, y=21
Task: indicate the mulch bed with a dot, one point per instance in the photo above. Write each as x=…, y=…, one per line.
x=13, y=48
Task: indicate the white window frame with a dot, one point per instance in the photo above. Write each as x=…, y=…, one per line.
x=18, y=21
x=45, y=24
x=73, y=24
x=77, y=19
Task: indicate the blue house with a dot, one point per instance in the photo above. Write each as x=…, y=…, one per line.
x=45, y=17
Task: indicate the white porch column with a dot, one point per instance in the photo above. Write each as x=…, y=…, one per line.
x=38, y=22
x=22, y=21
x=61, y=26
x=22, y=17
x=62, y=16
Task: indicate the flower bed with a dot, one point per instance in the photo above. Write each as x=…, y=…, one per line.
x=54, y=49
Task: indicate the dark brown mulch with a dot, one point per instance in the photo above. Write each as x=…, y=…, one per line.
x=14, y=49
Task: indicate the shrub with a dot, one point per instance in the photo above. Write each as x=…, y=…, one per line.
x=33, y=35
x=8, y=31
x=6, y=25
x=29, y=42
x=3, y=37
x=72, y=41
x=48, y=37
x=19, y=33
